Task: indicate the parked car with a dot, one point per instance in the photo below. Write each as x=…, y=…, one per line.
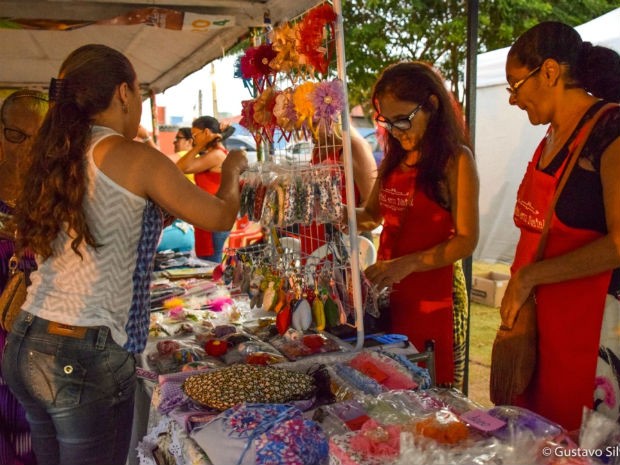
x=247, y=143
x=299, y=151
x=377, y=152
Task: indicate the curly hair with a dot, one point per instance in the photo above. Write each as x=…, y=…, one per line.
x=592, y=67
x=445, y=135
x=52, y=199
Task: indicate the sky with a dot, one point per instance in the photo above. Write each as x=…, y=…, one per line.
x=182, y=101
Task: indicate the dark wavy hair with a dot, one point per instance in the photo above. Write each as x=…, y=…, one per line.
x=445, y=135
x=52, y=198
x=186, y=132
x=593, y=68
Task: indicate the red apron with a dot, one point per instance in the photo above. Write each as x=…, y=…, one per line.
x=421, y=304
x=208, y=181
x=569, y=313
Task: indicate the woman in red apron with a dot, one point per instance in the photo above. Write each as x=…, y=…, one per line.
x=571, y=281
x=426, y=195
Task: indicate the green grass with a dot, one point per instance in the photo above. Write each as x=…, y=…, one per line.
x=484, y=323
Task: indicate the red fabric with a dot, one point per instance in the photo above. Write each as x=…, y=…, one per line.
x=569, y=314
x=421, y=304
x=210, y=182
x=313, y=236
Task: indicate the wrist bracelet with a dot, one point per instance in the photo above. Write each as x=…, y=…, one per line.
x=146, y=139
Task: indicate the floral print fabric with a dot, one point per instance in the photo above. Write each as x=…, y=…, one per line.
x=227, y=387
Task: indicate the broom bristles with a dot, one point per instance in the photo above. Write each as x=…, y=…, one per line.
x=513, y=358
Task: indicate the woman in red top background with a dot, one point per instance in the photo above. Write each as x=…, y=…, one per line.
x=426, y=195
x=205, y=160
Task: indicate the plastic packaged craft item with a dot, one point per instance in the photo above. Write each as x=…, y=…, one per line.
x=519, y=419
x=602, y=433
x=418, y=450
x=358, y=380
x=455, y=400
x=443, y=426
x=341, y=389
x=352, y=413
x=295, y=345
x=170, y=355
x=383, y=370
x=373, y=444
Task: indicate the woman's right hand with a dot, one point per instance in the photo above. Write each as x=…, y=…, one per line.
x=235, y=162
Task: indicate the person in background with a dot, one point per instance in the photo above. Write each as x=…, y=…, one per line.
x=426, y=195
x=144, y=137
x=562, y=82
x=21, y=115
x=179, y=235
x=91, y=211
x=205, y=161
x=183, y=143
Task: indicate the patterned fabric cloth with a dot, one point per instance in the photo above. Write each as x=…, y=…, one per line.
x=139, y=314
x=226, y=387
x=460, y=313
x=15, y=447
x=263, y=433
x=607, y=381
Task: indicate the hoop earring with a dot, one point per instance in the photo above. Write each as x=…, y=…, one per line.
x=125, y=108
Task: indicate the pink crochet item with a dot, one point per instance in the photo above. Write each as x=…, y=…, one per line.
x=377, y=440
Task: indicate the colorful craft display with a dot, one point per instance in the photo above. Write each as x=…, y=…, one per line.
x=301, y=51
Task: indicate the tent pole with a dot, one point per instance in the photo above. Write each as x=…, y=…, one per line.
x=470, y=117
x=348, y=177
x=154, y=121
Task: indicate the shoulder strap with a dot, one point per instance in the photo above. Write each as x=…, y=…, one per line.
x=574, y=150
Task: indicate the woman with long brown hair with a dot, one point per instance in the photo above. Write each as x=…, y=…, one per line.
x=426, y=196
x=92, y=213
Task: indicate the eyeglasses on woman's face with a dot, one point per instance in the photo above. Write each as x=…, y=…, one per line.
x=179, y=138
x=403, y=124
x=513, y=89
x=15, y=136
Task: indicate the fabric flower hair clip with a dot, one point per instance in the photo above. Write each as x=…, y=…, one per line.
x=285, y=44
x=285, y=113
x=263, y=112
x=304, y=106
x=255, y=65
x=328, y=102
x=310, y=41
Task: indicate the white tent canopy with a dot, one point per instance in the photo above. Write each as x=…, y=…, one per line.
x=505, y=142
x=166, y=40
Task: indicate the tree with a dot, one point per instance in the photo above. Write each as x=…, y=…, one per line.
x=380, y=32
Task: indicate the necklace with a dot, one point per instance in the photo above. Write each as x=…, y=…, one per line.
x=409, y=165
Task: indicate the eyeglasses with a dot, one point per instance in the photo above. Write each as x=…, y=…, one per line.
x=178, y=138
x=15, y=136
x=403, y=124
x=512, y=89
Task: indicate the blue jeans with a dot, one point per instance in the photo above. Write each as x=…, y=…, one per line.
x=78, y=393
x=218, y=237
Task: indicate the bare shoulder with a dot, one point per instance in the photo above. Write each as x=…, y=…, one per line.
x=462, y=161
